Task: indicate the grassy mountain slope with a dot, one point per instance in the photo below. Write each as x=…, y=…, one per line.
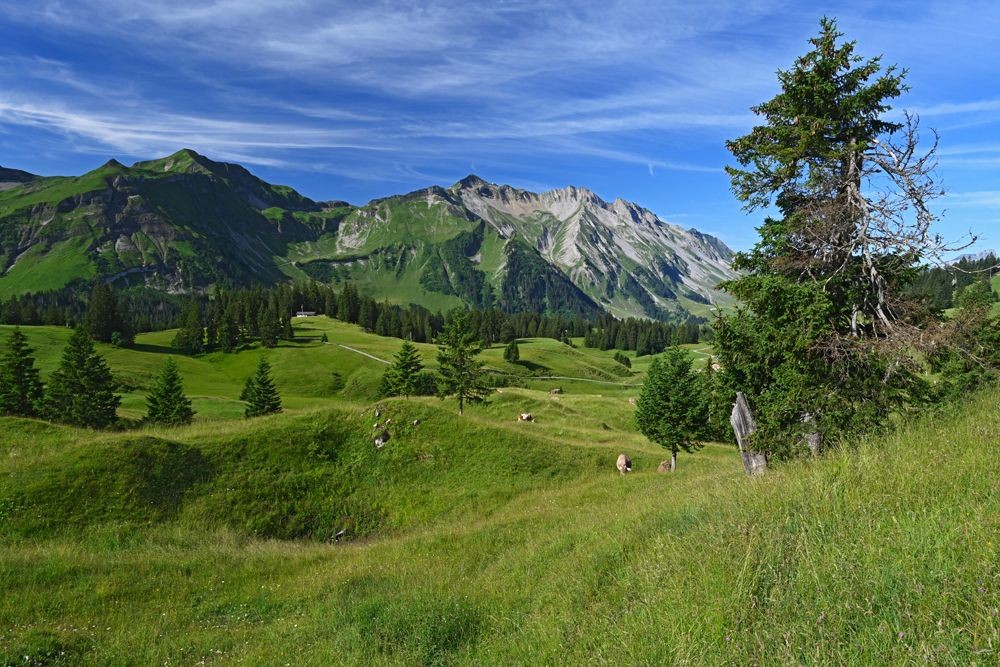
x=185, y=222
x=494, y=543
x=180, y=222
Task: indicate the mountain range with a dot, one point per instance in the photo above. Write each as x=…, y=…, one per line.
x=185, y=222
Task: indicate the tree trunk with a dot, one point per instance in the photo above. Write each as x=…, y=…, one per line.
x=754, y=462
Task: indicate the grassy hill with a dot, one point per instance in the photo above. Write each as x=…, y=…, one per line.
x=480, y=540
x=304, y=369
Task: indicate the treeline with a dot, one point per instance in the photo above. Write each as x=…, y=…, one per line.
x=233, y=318
x=228, y=319
x=146, y=309
x=642, y=336
x=941, y=286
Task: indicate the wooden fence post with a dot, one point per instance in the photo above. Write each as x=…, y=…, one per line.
x=754, y=462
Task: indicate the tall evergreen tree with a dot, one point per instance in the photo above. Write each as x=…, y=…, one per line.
x=270, y=326
x=401, y=376
x=190, y=338
x=82, y=390
x=671, y=409
x=106, y=317
x=20, y=386
x=511, y=353
x=230, y=337
x=825, y=327
x=461, y=371
x=166, y=403
x=260, y=393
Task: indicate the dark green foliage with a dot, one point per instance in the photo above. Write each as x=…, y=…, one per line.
x=823, y=328
x=269, y=327
x=190, y=338
x=507, y=333
x=450, y=271
x=260, y=393
x=20, y=386
x=425, y=384
x=82, y=391
x=166, y=403
x=105, y=316
x=460, y=370
x=533, y=285
x=491, y=326
x=642, y=336
x=230, y=335
x=511, y=353
x=718, y=398
x=973, y=358
x=324, y=338
x=770, y=349
x=401, y=377
x=349, y=304
x=938, y=285
x=623, y=359
x=671, y=408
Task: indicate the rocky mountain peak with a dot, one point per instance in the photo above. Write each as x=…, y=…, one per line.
x=470, y=182
x=10, y=178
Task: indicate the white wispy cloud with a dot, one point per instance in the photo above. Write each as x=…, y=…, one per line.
x=145, y=132
x=396, y=92
x=974, y=199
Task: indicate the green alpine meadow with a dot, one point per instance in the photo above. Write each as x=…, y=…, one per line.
x=491, y=424
x=480, y=539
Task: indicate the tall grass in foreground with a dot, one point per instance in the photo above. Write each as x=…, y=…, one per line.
x=886, y=554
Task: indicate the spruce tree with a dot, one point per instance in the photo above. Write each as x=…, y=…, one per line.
x=82, y=391
x=190, y=338
x=270, y=326
x=166, y=403
x=511, y=353
x=623, y=359
x=824, y=326
x=105, y=317
x=20, y=387
x=260, y=393
x=230, y=337
x=401, y=376
x=671, y=409
x=461, y=371
x=507, y=333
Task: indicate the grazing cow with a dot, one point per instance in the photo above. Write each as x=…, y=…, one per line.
x=624, y=464
x=526, y=417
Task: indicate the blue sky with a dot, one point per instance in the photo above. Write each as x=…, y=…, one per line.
x=351, y=100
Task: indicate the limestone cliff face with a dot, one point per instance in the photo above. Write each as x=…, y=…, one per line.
x=620, y=254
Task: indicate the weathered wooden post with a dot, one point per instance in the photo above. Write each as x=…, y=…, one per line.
x=811, y=436
x=754, y=462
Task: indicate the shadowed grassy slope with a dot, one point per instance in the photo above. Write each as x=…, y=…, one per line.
x=884, y=555
x=301, y=475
